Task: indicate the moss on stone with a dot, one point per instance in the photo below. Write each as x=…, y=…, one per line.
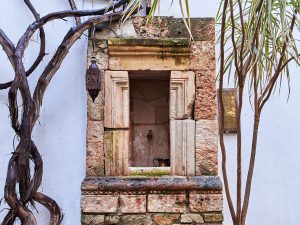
x=150, y=173
x=150, y=42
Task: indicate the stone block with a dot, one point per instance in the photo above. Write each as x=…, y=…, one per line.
x=112, y=219
x=205, y=102
x=116, y=107
x=206, y=147
x=202, y=28
x=205, y=202
x=116, y=145
x=124, y=30
x=167, y=203
x=191, y=218
x=203, y=56
x=95, y=152
x=182, y=94
x=100, y=52
x=99, y=204
x=136, y=220
x=159, y=27
x=143, y=152
x=92, y=219
x=165, y=219
x=143, y=112
x=213, y=217
x=149, y=54
x=133, y=203
x=95, y=109
x=182, y=147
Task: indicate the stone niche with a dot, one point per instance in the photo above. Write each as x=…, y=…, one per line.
x=152, y=131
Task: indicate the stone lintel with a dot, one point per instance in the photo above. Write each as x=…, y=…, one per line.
x=164, y=183
x=153, y=54
x=183, y=42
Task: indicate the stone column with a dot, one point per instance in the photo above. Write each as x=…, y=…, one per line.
x=116, y=123
x=182, y=125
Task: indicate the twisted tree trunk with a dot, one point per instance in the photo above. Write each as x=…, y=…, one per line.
x=19, y=177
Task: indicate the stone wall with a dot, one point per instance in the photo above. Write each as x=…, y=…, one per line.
x=196, y=201
x=193, y=194
x=198, y=58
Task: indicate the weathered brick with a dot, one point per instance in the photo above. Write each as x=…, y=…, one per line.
x=112, y=220
x=206, y=147
x=205, y=102
x=206, y=202
x=99, y=204
x=165, y=219
x=213, y=217
x=92, y=219
x=167, y=203
x=136, y=220
x=133, y=203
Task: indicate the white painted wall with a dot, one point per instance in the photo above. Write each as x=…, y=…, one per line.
x=60, y=134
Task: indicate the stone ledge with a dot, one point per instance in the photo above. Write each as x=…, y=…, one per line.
x=182, y=42
x=163, y=183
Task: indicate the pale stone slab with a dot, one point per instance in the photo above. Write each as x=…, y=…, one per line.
x=143, y=152
x=149, y=54
x=182, y=145
x=95, y=109
x=94, y=151
x=206, y=202
x=125, y=29
x=191, y=218
x=206, y=147
x=133, y=203
x=182, y=94
x=116, y=147
x=116, y=107
x=99, y=204
x=167, y=203
x=138, y=62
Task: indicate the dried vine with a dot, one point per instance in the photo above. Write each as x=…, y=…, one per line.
x=19, y=172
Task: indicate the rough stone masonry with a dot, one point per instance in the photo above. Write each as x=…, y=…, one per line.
x=192, y=192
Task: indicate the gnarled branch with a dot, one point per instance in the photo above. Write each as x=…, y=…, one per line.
x=7, y=46
x=61, y=53
x=42, y=52
x=74, y=7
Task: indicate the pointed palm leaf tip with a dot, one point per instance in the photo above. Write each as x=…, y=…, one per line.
x=134, y=5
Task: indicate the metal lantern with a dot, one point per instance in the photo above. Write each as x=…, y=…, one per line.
x=93, y=79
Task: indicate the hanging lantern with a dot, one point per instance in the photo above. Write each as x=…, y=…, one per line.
x=93, y=79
